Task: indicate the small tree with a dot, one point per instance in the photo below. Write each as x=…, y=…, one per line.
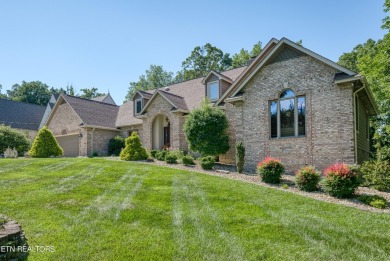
x=240, y=156
x=133, y=149
x=45, y=145
x=12, y=138
x=206, y=130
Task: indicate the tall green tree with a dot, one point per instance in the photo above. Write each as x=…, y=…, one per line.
x=89, y=93
x=241, y=58
x=155, y=77
x=31, y=92
x=203, y=59
x=372, y=60
x=386, y=20
x=2, y=96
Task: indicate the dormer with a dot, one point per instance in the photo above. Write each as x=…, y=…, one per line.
x=215, y=85
x=140, y=99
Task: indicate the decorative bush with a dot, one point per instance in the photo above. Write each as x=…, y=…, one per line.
x=95, y=154
x=153, y=153
x=170, y=158
x=161, y=155
x=340, y=181
x=178, y=153
x=376, y=174
x=115, y=145
x=45, y=145
x=270, y=170
x=10, y=153
x=206, y=130
x=133, y=149
x=307, y=178
x=188, y=160
x=240, y=156
x=207, y=162
x=12, y=138
x=374, y=201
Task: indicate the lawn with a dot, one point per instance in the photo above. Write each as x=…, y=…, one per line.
x=99, y=209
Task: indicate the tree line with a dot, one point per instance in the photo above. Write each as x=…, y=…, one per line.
x=37, y=92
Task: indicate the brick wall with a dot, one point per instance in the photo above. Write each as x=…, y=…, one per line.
x=64, y=118
x=329, y=116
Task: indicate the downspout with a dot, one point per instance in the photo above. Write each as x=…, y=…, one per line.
x=354, y=125
x=92, y=141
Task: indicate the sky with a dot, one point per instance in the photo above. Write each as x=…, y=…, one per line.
x=108, y=44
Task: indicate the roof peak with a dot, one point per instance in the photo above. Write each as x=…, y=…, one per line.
x=90, y=100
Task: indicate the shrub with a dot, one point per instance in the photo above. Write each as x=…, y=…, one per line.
x=188, y=160
x=45, y=145
x=10, y=153
x=12, y=138
x=270, y=170
x=153, y=153
x=207, y=162
x=374, y=201
x=95, y=154
x=206, y=130
x=240, y=156
x=307, y=178
x=376, y=174
x=161, y=155
x=178, y=153
x=115, y=145
x=170, y=158
x=340, y=181
x=133, y=149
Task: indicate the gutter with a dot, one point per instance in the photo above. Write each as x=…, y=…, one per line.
x=99, y=127
x=354, y=122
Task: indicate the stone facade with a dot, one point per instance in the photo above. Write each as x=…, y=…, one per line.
x=329, y=116
x=13, y=243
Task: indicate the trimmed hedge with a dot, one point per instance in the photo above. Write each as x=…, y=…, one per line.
x=340, y=181
x=270, y=170
x=188, y=160
x=307, y=178
x=207, y=162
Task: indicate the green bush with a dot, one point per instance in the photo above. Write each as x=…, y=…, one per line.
x=95, y=154
x=240, y=156
x=170, y=158
x=160, y=155
x=115, y=145
x=207, y=162
x=340, y=181
x=12, y=138
x=376, y=174
x=133, y=149
x=206, y=130
x=374, y=201
x=270, y=170
x=153, y=153
x=45, y=145
x=178, y=153
x=188, y=160
x=307, y=178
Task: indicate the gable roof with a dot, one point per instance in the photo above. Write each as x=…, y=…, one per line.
x=176, y=101
x=21, y=115
x=91, y=113
x=126, y=115
x=270, y=51
x=105, y=98
x=219, y=75
x=143, y=94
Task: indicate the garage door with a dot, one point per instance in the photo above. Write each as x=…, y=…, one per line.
x=70, y=145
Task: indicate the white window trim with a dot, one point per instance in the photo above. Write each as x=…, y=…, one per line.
x=135, y=105
x=278, y=130
x=219, y=90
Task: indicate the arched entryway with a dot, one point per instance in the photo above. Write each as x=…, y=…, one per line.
x=161, y=132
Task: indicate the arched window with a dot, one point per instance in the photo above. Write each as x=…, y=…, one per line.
x=287, y=115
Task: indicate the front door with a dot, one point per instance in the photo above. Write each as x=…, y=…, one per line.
x=167, y=135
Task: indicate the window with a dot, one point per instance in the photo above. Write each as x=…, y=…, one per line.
x=287, y=115
x=213, y=90
x=138, y=106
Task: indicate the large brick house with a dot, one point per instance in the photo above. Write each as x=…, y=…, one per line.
x=288, y=102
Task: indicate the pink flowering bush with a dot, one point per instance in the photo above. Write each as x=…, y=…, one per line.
x=270, y=170
x=307, y=178
x=341, y=180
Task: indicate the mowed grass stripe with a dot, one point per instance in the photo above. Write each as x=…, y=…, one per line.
x=167, y=214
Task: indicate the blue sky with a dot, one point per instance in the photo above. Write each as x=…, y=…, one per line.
x=107, y=44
